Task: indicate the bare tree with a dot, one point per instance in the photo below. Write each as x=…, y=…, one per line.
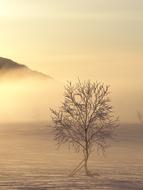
x=140, y=118
x=139, y=115
x=85, y=119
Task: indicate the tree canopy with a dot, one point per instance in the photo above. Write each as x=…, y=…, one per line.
x=85, y=119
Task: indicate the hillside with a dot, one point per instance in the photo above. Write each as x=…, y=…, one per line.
x=11, y=70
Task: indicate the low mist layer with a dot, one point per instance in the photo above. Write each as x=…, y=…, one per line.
x=27, y=95
x=28, y=100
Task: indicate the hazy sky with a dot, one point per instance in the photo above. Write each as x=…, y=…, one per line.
x=91, y=39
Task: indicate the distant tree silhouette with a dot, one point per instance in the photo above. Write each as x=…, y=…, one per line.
x=85, y=119
x=140, y=118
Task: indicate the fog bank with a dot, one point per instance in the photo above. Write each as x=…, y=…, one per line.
x=28, y=100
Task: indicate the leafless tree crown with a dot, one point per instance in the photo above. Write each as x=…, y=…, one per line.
x=85, y=118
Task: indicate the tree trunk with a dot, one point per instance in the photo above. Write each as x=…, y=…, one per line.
x=86, y=167
x=86, y=153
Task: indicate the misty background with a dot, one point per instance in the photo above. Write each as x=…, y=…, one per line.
x=97, y=40
x=31, y=100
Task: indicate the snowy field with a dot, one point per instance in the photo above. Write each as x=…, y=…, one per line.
x=29, y=160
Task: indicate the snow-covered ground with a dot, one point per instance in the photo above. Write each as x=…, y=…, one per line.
x=29, y=160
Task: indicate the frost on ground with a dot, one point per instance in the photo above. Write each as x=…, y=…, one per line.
x=42, y=180
x=29, y=160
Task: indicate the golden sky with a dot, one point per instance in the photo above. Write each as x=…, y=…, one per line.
x=67, y=39
x=91, y=39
